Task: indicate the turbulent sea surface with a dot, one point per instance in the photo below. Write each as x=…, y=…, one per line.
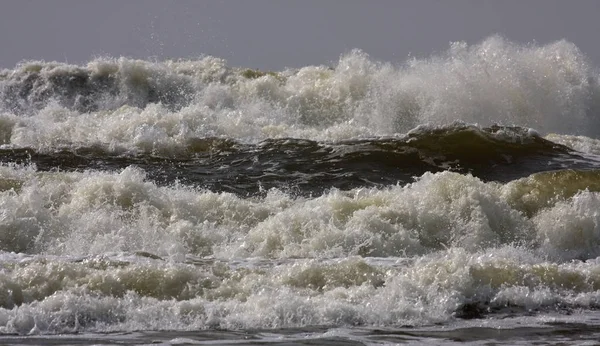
x=441, y=200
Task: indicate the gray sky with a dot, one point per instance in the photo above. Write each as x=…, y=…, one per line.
x=276, y=34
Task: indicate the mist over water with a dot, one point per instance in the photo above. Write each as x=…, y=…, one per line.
x=192, y=195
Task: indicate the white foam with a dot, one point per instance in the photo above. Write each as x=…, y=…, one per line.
x=551, y=88
x=87, y=213
x=112, y=251
x=580, y=143
x=66, y=297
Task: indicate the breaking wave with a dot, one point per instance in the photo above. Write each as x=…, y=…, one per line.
x=189, y=195
x=137, y=104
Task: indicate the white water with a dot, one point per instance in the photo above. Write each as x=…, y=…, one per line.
x=283, y=261
x=79, y=250
x=76, y=214
x=551, y=88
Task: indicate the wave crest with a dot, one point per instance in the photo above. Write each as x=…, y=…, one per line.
x=552, y=88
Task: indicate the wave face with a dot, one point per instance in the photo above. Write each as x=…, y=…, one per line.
x=189, y=195
x=305, y=167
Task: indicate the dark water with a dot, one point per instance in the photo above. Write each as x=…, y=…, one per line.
x=305, y=167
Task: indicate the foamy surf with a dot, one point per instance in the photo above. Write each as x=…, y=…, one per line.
x=127, y=104
x=364, y=202
x=107, y=250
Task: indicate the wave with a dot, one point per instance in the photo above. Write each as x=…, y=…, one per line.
x=101, y=252
x=186, y=195
x=134, y=103
x=306, y=167
x=82, y=213
x=109, y=295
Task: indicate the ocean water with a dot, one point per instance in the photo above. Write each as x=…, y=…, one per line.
x=441, y=200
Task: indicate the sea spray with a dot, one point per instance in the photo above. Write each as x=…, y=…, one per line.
x=137, y=104
x=361, y=197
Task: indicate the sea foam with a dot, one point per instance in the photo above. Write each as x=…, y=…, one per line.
x=138, y=105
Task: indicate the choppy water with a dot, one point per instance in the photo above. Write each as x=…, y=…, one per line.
x=440, y=200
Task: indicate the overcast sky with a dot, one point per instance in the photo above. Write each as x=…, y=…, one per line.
x=276, y=34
